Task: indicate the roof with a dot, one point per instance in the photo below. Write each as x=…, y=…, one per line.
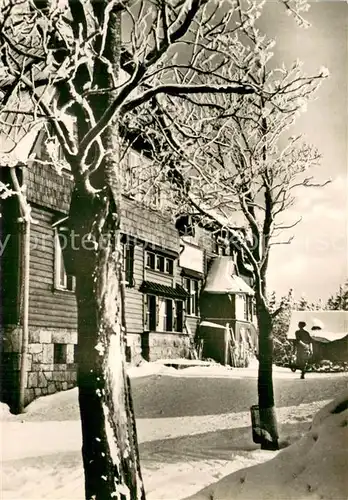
x=223, y=278
x=334, y=323
x=163, y=290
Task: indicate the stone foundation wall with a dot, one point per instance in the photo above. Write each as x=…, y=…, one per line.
x=44, y=375
x=166, y=345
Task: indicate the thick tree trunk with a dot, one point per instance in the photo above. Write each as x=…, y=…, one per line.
x=269, y=437
x=110, y=452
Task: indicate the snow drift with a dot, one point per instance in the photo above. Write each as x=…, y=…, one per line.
x=314, y=467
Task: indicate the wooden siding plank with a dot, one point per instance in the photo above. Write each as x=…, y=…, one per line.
x=59, y=298
x=157, y=277
x=61, y=322
x=47, y=307
x=41, y=265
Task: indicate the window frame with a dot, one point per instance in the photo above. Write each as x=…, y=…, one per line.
x=192, y=286
x=59, y=353
x=160, y=263
x=163, y=305
x=147, y=316
x=59, y=269
x=169, y=306
x=157, y=257
x=242, y=310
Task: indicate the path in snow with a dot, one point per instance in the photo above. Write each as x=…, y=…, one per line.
x=30, y=439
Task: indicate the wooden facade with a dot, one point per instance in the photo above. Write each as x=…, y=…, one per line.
x=164, y=273
x=52, y=347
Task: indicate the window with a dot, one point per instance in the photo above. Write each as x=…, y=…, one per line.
x=62, y=280
x=159, y=263
x=150, y=260
x=169, y=315
x=179, y=317
x=169, y=266
x=150, y=312
x=163, y=314
x=242, y=307
x=128, y=263
x=59, y=354
x=192, y=305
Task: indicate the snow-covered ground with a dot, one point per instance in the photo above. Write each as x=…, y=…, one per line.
x=180, y=454
x=199, y=369
x=314, y=467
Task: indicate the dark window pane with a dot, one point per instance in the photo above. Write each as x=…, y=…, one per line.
x=169, y=266
x=169, y=315
x=152, y=320
x=59, y=354
x=150, y=260
x=179, y=316
x=160, y=263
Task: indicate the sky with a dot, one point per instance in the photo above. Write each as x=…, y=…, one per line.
x=316, y=262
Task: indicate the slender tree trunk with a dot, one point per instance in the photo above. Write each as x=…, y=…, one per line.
x=110, y=452
x=269, y=438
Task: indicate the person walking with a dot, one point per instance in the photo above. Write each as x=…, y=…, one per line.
x=303, y=348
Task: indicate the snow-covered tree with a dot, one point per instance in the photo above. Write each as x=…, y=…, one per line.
x=302, y=304
x=242, y=161
x=339, y=301
x=282, y=347
x=272, y=301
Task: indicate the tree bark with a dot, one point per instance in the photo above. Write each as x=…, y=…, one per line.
x=110, y=452
x=269, y=437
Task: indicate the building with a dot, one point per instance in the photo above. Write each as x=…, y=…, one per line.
x=227, y=329
x=165, y=266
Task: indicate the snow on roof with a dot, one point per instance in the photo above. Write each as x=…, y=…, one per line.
x=210, y=324
x=222, y=278
x=334, y=324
